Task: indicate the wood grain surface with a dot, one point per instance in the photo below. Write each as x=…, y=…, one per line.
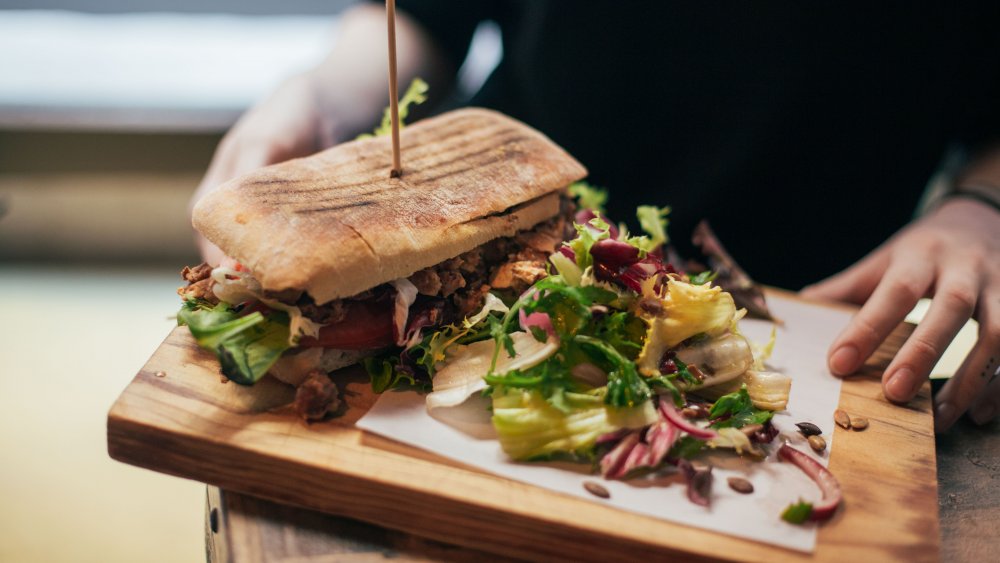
x=187, y=423
x=968, y=473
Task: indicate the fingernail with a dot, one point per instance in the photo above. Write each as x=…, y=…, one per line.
x=843, y=360
x=902, y=385
x=984, y=412
x=943, y=414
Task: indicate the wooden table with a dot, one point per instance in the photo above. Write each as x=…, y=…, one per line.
x=245, y=529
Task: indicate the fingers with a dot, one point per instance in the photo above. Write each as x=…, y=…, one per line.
x=976, y=381
x=853, y=285
x=906, y=280
x=953, y=304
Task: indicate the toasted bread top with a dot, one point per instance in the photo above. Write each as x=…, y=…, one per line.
x=335, y=224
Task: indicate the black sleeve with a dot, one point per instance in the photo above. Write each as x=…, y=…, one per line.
x=449, y=22
x=978, y=96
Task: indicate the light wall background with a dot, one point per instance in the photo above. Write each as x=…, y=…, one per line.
x=109, y=114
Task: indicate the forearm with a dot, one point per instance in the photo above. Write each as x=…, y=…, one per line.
x=351, y=84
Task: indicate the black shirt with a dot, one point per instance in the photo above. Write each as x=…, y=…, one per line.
x=805, y=132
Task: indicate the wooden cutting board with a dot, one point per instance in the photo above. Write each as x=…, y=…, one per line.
x=178, y=417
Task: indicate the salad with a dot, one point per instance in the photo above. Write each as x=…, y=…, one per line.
x=616, y=359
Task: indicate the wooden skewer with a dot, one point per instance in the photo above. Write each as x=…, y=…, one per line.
x=397, y=167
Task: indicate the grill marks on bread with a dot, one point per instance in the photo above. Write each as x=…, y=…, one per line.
x=451, y=143
x=460, y=158
x=335, y=224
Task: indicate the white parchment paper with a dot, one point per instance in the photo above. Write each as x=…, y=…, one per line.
x=800, y=351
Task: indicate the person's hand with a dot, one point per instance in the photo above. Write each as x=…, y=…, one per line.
x=286, y=125
x=953, y=256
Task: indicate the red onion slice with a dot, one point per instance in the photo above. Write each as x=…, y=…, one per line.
x=671, y=413
x=828, y=484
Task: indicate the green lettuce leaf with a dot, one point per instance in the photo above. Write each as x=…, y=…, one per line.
x=567, y=268
x=585, y=238
x=739, y=407
x=415, y=94
x=703, y=277
x=653, y=221
x=247, y=346
x=626, y=388
x=385, y=376
x=589, y=197
x=530, y=428
x=797, y=512
x=687, y=447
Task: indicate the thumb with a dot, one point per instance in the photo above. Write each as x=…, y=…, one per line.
x=853, y=285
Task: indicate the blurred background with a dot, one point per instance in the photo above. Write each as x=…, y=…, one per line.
x=110, y=111
x=109, y=114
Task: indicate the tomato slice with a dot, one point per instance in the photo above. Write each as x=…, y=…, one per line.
x=367, y=326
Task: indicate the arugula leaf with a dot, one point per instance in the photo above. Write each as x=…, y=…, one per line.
x=415, y=94
x=685, y=374
x=702, y=278
x=687, y=447
x=622, y=330
x=551, y=379
x=626, y=388
x=247, y=346
x=797, y=512
x=740, y=410
x=568, y=308
x=384, y=375
x=588, y=196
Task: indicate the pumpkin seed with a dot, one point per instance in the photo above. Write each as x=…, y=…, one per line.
x=596, y=489
x=817, y=443
x=809, y=429
x=842, y=419
x=740, y=485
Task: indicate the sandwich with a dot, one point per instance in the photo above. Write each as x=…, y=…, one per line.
x=332, y=261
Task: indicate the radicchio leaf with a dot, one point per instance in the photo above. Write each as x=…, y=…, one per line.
x=406, y=294
x=699, y=482
x=613, y=463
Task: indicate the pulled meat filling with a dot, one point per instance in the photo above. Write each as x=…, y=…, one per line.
x=508, y=264
x=199, y=283
x=316, y=396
